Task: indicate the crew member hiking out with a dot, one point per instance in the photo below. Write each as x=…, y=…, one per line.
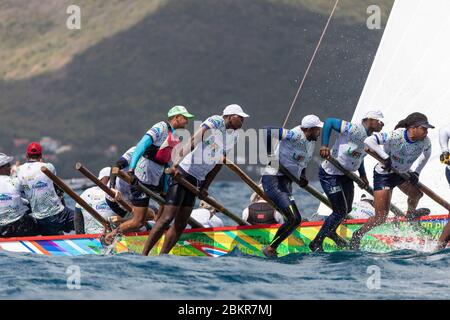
x=199, y=167
x=294, y=152
x=151, y=155
x=349, y=151
x=407, y=147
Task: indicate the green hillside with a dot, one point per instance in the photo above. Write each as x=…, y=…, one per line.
x=108, y=82
x=35, y=40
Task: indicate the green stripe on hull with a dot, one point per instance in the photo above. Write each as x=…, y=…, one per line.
x=387, y=237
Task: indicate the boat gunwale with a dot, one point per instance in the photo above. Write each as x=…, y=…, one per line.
x=228, y=228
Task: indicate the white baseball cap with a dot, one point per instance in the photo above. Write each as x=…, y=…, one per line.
x=374, y=114
x=105, y=172
x=311, y=121
x=4, y=159
x=234, y=109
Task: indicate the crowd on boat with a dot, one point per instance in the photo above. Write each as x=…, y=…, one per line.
x=31, y=204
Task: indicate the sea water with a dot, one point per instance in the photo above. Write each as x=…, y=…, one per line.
x=403, y=274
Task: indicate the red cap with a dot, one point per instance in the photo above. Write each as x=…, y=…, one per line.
x=34, y=148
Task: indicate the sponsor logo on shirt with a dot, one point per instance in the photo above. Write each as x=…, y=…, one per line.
x=335, y=189
x=209, y=141
x=96, y=197
x=28, y=178
x=5, y=197
x=289, y=135
x=102, y=206
x=216, y=122
x=214, y=146
x=40, y=185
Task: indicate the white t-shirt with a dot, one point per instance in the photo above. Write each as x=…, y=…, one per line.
x=39, y=189
x=202, y=216
x=121, y=186
x=348, y=148
x=207, y=154
x=444, y=139
x=402, y=151
x=11, y=205
x=94, y=197
x=361, y=210
x=294, y=152
x=147, y=171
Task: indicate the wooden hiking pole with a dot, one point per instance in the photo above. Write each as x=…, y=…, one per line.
x=102, y=186
x=76, y=198
x=125, y=177
x=313, y=191
x=361, y=184
x=160, y=200
x=233, y=167
x=420, y=186
x=191, y=188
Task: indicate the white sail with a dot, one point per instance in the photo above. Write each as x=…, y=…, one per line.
x=411, y=73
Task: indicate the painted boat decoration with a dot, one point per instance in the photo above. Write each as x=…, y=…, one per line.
x=419, y=235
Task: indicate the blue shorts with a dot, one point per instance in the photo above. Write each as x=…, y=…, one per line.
x=386, y=181
x=447, y=174
x=58, y=223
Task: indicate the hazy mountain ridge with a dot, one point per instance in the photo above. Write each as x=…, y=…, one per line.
x=200, y=54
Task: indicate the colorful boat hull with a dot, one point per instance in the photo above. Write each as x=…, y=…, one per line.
x=420, y=235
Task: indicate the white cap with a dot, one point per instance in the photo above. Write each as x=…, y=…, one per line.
x=105, y=172
x=234, y=109
x=4, y=159
x=311, y=121
x=374, y=114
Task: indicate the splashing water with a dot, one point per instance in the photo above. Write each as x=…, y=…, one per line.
x=411, y=272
